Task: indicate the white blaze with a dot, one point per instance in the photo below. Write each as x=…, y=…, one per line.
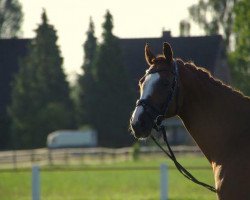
x=148, y=87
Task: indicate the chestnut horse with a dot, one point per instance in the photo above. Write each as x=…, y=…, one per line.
x=216, y=116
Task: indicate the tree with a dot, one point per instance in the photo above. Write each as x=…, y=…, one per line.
x=114, y=97
x=86, y=81
x=215, y=16
x=184, y=28
x=240, y=58
x=11, y=17
x=40, y=94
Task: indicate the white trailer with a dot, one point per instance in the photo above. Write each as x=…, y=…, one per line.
x=72, y=138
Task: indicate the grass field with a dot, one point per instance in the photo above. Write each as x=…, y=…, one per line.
x=110, y=185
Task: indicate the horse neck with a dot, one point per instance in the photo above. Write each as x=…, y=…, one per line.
x=208, y=112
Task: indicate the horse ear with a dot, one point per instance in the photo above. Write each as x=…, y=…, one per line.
x=167, y=52
x=149, y=56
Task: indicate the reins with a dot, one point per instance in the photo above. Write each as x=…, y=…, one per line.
x=158, y=118
x=180, y=168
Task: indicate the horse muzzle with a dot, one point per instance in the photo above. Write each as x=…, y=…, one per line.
x=141, y=128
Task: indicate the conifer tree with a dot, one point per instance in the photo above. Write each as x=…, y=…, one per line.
x=40, y=95
x=86, y=81
x=113, y=92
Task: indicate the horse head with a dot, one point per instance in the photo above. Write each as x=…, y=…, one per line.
x=158, y=92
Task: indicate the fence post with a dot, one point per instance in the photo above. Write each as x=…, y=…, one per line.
x=49, y=156
x=66, y=156
x=32, y=156
x=14, y=159
x=35, y=182
x=163, y=182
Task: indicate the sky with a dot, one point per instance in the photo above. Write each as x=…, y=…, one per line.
x=131, y=18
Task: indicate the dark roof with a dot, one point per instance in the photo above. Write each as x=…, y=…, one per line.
x=202, y=50
x=11, y=50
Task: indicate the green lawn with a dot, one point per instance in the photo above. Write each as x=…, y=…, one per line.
x=110, y=185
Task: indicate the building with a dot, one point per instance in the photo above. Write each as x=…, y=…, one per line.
x=204, y=51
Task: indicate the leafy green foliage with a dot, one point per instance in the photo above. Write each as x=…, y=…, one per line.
x=228, y=17
x=11, y=17
x=184, y=27
x=240, y=58
x=40, y=95
x=215, y=16
x=136, y=151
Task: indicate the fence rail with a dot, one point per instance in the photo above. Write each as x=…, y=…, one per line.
x=75, y=156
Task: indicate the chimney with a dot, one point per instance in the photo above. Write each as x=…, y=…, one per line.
x=166, y=34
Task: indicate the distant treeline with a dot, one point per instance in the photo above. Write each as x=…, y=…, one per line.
x=42, y=100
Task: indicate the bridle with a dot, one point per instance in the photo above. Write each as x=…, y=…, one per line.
x=154, y=113
x=158, y=116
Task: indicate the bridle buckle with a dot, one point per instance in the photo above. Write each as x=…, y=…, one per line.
x=158, y=122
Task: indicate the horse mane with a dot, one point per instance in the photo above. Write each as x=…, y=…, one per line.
x=205, y=74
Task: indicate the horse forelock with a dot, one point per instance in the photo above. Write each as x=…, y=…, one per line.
x=159, y=60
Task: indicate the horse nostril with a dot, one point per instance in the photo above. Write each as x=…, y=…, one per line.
x=136, y=126
x=139, y=125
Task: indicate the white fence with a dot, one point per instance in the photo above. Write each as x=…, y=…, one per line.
x=76, y=156
x=163, y=182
